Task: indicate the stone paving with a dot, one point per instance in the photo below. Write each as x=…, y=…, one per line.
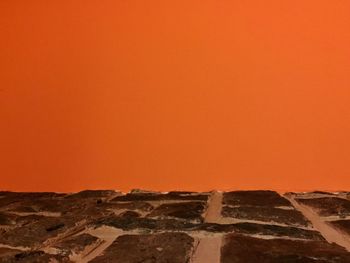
x=175, y=227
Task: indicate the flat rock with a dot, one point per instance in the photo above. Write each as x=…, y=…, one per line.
x=92, y=194
x=328, y=206
x=277, y=231
x=147, y=224
x=7, y=219
x=8, y=253
x=266, y=214
x=75, y=244
x=11, y=198
x=188, y=210
x=342, y=225
x=35, y=232
x=156, y=248
x=255, y=198
x=245, y=249
x=131, y=223
x=54, y=205
x=160, y=197
x=130, y=214
x=33, y=257
x=136, y=205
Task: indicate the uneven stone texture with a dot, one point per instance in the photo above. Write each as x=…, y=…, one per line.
x=35, y=232
x=255, y=198
x=328, y=206
x=75, y=244
x=244, y=249
x=342, y=225
x=8, y=253
x=278, y=231
x=92, y=194
x=266, y=214
x=137, y=205
x=189, y=210
x=32, y=257
x=156, y=248
x=161, y=197
x=144, y=226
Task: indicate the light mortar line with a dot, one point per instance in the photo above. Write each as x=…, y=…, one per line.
x=328, y=232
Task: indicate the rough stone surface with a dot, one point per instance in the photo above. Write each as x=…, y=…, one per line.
x=238, y=248
x=266, y=214
x=328, y=206
x=75, y=244
x=156, y=248
x=255, y=198
x=161, y=197
x=342, y=225
x=145, y=226
x=32, y=257
x=189, y=210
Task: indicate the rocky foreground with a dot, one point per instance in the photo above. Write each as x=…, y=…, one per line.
x=175, y=227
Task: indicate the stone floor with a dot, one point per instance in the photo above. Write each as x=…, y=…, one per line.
x=175, y=227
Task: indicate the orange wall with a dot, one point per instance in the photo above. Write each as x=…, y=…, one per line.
x=182, y=94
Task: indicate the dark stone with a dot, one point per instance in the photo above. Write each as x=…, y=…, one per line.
x=14, y=199
x=33, y=257
x=7, y=219
x=266, y=214
x=129, y=223
x=156, y=248
x=187, y=193
x=32, y=205
x=6, y=253
x=35, y=232
x=130, y=214
x=75, y=244
x=176, y=225
x=278, y=231
x=322, y=193
x=28, y=195
x=92, y=194
x=160, y=197
x=342, y=225
x=245, y=249
x=328, y=206
x=186, y=210
x=54, y=227
x=137, y=205
x=29, y=219
x=255, y=198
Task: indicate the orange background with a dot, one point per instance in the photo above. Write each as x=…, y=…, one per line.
x=185, y=94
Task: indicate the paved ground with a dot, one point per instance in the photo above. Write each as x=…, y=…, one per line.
x=175, y=227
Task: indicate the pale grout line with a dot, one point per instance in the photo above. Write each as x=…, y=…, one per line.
x=208, y=247
x=310, y=195
x=107, y=235
x=75, y=230
x=328, y=232
x=334, y=218
x=47, y=214
x=93, y=253
x=231, y=220
x=213, y=213
x=15, y=247
x=208, y=250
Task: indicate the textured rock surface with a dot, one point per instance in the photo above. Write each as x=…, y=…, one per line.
x=162, y=248
x=238, y=248
x=178, y=226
